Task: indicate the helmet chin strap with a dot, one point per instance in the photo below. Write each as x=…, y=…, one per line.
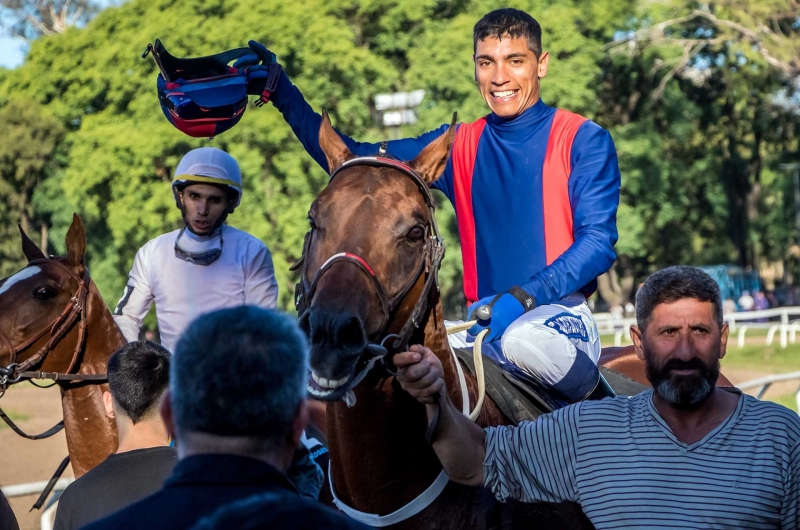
x=214, y=228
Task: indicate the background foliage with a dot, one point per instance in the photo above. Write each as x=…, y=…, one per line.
x=698, y=97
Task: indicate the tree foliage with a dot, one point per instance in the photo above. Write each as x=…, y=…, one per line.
x=701, y=182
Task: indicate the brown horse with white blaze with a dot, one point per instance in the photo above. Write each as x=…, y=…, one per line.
x=368, y=261
x=52, y=319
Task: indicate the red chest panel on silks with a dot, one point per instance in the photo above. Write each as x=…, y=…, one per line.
x=555, y=191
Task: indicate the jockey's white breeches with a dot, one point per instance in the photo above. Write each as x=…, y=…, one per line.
x=557, y=344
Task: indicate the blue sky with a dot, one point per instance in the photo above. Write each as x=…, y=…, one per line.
x=12, y=52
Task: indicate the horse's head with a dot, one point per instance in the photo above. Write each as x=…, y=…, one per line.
x=366, y=256
x=38, y=301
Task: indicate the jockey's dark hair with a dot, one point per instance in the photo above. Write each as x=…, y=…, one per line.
x=138, y=375
x=509, y=23
x=673, y=284
x=239, y=372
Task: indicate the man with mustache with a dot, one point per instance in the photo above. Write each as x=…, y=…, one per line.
x=685, y=454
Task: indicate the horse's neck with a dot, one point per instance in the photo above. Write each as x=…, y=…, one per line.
x=91, y=435
x=379, y=457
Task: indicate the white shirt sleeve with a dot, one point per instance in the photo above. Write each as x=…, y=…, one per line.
x=260, y=285
x=136, y=299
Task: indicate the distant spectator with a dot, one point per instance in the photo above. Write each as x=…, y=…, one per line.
x=630, y=309
x=760, y=301
x=728, y=306
x=236, y=408
x=772, y=299
x=7, y=519
x=746, y=301
x=138, y=375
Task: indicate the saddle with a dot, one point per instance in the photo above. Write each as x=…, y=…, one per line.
x=526, y=400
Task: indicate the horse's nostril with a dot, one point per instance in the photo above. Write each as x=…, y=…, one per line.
x=350, y=335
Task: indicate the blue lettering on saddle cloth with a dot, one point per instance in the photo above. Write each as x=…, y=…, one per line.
x=570, y=325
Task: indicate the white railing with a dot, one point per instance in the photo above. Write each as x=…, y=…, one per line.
x=763, y=384
x=739, y=323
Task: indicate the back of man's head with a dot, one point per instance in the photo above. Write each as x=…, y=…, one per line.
x=239, y=372
x=138, y=375
x=673, y=284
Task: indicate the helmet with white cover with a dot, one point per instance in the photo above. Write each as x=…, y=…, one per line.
x=209, y=165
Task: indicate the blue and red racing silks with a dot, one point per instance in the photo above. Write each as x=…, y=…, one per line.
x=536, y=196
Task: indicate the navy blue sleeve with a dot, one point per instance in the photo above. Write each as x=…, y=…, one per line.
x=594, y=187
x=305, y=123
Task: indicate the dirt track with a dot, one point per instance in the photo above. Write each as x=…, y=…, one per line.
x=24, y=460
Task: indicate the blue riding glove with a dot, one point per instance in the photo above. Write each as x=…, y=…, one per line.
x=260, y=56
x=506, y=308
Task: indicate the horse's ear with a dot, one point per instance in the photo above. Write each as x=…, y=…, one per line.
x=332, y=145
x=76, y=242
x=431, y=161
x=29, y=248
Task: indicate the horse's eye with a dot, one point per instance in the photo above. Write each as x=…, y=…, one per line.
x=416, y=234
x=44, y=293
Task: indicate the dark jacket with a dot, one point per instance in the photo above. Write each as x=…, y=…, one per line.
x=202, y=484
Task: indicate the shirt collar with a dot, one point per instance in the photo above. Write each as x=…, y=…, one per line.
x=534, y=114
x=226, y=470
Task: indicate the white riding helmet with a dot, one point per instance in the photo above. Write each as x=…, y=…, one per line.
x=208, y=165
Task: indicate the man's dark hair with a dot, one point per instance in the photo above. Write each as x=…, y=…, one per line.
x=673, y=284
x=138, y=374
x=240, y=371
x=509, y=23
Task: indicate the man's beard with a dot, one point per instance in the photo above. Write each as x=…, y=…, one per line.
x=683, y=391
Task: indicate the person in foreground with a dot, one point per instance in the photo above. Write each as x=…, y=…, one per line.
x=685, y=454
x=138, y=375
x=236, y=408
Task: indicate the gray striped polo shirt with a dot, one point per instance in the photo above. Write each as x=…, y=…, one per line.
x=619, y=459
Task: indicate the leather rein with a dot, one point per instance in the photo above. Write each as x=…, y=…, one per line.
x=74, y=311
x=429, y=263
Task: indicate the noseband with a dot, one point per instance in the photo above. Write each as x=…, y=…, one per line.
x=431, y=259
x=74, y=311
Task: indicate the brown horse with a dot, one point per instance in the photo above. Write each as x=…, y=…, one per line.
x=52, y=319
x=369, y=260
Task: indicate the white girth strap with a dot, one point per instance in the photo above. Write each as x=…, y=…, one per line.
x=427, y=497
x=412, y=508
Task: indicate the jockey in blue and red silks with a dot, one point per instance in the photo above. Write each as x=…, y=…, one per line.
x=536, y=191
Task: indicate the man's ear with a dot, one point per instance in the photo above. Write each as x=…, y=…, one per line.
x=636, y=337
x=108, y=404
x=723, y=340
x=431, y=161
x=76, y=242
x=300, y=423
x=165, y=408
x=336, y=152
x=544, y=62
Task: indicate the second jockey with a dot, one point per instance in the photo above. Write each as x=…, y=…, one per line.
x=536, y=191
x=206, y=264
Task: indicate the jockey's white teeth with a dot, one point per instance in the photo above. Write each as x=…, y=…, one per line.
x=503, y=94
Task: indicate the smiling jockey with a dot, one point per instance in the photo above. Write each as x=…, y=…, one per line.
x=205, y=265
x=536, y=191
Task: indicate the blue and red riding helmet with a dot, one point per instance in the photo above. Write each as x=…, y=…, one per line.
x=204, y=96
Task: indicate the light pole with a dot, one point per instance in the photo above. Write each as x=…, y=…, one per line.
x=396, y=110
x=794, y=167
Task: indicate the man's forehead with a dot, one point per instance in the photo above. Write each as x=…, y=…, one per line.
x=505, y=45
x=683, y=310
x=205, y=190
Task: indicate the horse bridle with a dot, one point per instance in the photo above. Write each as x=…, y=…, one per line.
x=74, y=311
x=429, y=263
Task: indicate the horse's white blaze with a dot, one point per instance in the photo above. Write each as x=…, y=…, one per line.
x=24, y=274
